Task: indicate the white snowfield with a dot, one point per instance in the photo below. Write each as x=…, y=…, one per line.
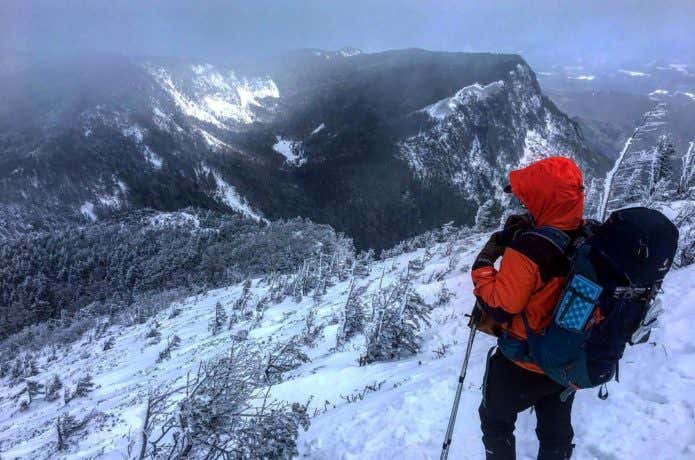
x=404, y=405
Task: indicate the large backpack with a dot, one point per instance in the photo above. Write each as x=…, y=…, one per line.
x=609, y=298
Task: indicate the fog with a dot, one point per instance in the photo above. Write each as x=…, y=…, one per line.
x=543, y=31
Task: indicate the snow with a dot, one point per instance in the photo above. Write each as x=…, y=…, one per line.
x=342, y=53
x=200, y=69
x=682, y=68
x=469, y=94
x=658, y=92
x=229, y=196
x=688, y=94
x=212, y=141
x=648, y=415
x=87, y=209
x=603, y=208
x=137, y=134
x=109, y=200
x=152, y=158
x=288, y=149
x=187, y=106
x=225, y=109
x=166, y=219
x=250, y=92
x=134, y=132
x=318, y=129
x=633, y=73
x=210, y=96
x=536, y=147
x=349, y=52
x=687, y=169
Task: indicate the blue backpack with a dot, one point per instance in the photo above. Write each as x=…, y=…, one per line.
x=609, y=298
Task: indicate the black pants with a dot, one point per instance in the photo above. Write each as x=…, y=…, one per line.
x=509, y=389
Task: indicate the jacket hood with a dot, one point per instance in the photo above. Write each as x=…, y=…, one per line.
x=552, y=190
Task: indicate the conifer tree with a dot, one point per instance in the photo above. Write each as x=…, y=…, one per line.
x=53, y=389
x=218, y=321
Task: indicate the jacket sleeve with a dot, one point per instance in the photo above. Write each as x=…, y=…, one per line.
x=510, y=288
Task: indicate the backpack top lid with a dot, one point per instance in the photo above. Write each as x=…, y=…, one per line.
x=639, y=242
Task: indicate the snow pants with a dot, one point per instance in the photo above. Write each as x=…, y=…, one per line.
x=508, y=390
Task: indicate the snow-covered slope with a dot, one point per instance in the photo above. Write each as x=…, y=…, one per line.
x=215, y=96
x=384, y=410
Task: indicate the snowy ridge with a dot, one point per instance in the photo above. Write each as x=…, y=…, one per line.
x=386, y=410
x=469, y=94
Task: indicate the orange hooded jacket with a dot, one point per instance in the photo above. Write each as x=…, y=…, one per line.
x=530, y=277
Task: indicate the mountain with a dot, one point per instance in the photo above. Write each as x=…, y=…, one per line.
x=380, y=146
x=144, y=375
x=641, y=117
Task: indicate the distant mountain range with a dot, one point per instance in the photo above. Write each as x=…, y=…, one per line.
x=380, y=146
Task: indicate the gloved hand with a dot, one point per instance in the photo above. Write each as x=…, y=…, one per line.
x=515, y=225
x=484, y=322
x=492, y=251
x=476, y=315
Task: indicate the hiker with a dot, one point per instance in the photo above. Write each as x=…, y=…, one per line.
x=529, y=280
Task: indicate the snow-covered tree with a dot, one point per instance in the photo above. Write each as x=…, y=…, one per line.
x=283, y=359
x=662, y=166
x=312, y=330
x=444, y=296
x=108, y=343
x=84, y=386
x=31, y=389
x=363, y=263
x=68, y=425
x=688, y=170
x=272, y=433
x=172, y=344
x=153, y=335
x=353, y=315
x=53, y=389
x=401, y=313
x=488, y=215
x=218, y=321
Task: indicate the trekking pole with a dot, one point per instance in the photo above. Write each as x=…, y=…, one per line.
x=457, y=398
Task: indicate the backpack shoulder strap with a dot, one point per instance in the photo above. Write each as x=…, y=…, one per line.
x=556, y=237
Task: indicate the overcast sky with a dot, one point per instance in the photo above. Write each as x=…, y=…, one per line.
x=216, y=29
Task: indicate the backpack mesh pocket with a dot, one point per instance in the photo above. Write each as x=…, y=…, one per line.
x=577, y=303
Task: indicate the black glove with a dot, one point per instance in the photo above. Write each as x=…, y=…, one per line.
x=515, y=225
x=476, y=315
x=492, y=251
